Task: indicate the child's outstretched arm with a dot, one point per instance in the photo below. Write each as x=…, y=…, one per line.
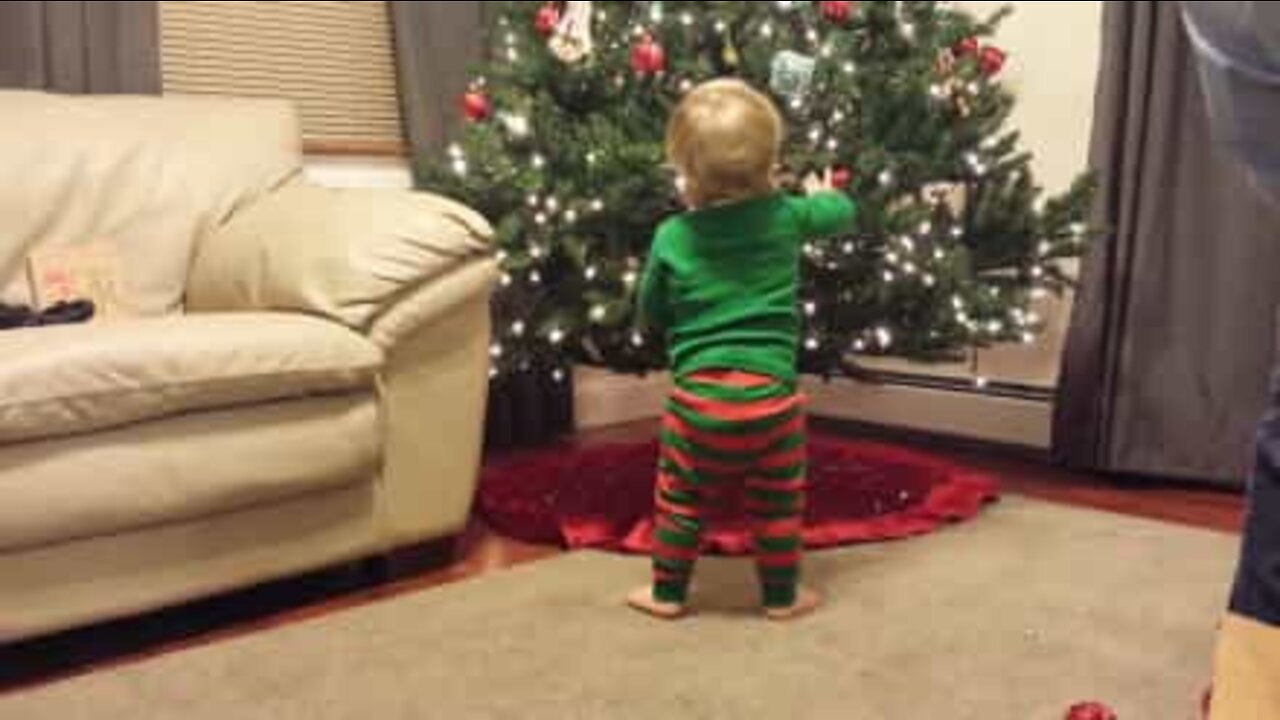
x=825, y=211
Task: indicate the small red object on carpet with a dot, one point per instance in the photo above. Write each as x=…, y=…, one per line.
x=602, y=497
x=1091, y=711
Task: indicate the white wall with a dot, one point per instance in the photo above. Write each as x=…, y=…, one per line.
x=1054, y=50
x=359, y=172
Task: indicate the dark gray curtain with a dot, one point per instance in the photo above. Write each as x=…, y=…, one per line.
x=437, y=44
x=80, y=47
x=1167, y=364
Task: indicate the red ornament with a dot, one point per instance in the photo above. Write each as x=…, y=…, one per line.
x=966, y=47
x=837, y=11
x=841, y=177
x=547, y=19
x=648, y=57
x=992, y=60
x=476, y=106
x=1091, y=711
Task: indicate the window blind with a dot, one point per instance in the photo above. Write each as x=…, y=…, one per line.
x=335, y=60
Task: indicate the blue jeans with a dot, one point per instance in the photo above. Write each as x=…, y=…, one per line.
x=1257, y=589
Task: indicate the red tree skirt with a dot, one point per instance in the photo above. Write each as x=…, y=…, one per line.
x=602, y=497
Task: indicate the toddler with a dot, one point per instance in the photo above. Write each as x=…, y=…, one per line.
x=721, y=283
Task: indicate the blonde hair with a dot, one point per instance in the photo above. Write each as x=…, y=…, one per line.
x=725, y=139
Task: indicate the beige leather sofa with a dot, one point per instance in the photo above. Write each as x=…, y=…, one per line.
x=303, y=383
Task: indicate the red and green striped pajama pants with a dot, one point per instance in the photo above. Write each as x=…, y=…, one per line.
x=730, y=427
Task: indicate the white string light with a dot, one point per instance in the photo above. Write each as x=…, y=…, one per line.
x=540, y=218
x=538, y=161
x=558, y=376
x=981, y=383
x=535, y=278
x=886, y=177
x=597, y=205
x=598, y=313
x=686, y=19
x=532, y=200
x=630, y=278
x=591, y=273
x=884, y=337
x=637, y=340
x=556, y=336
x=496, y=351
x=507, y=280
x=571, y=216
x=518, y=328
x=813, y=343
x=930, y=280
x=811, y=308
x=766, y=30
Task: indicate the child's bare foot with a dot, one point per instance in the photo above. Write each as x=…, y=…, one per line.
x=643, y=600
x=807, y=602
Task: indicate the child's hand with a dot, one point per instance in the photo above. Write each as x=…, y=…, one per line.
x=814, y=184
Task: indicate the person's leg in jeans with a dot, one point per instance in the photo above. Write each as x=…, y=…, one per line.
x=1238, y=49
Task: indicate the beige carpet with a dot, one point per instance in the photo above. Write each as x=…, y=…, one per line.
x=1013, y=617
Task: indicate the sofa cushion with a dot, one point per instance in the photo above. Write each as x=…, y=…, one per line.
x=74, y=379
x=148, y=175
x=344, y=253
x=185, y=468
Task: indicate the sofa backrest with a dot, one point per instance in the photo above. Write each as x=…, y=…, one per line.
x=145, y=176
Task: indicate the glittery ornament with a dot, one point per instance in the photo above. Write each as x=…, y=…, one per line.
x=791, y=75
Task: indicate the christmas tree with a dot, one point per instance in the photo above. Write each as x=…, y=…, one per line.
x=903, y=101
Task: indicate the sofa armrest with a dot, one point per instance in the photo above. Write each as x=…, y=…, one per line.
x=354, y=256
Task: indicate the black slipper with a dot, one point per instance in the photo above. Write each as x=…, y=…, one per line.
x=17, y=316
x=68, y=313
